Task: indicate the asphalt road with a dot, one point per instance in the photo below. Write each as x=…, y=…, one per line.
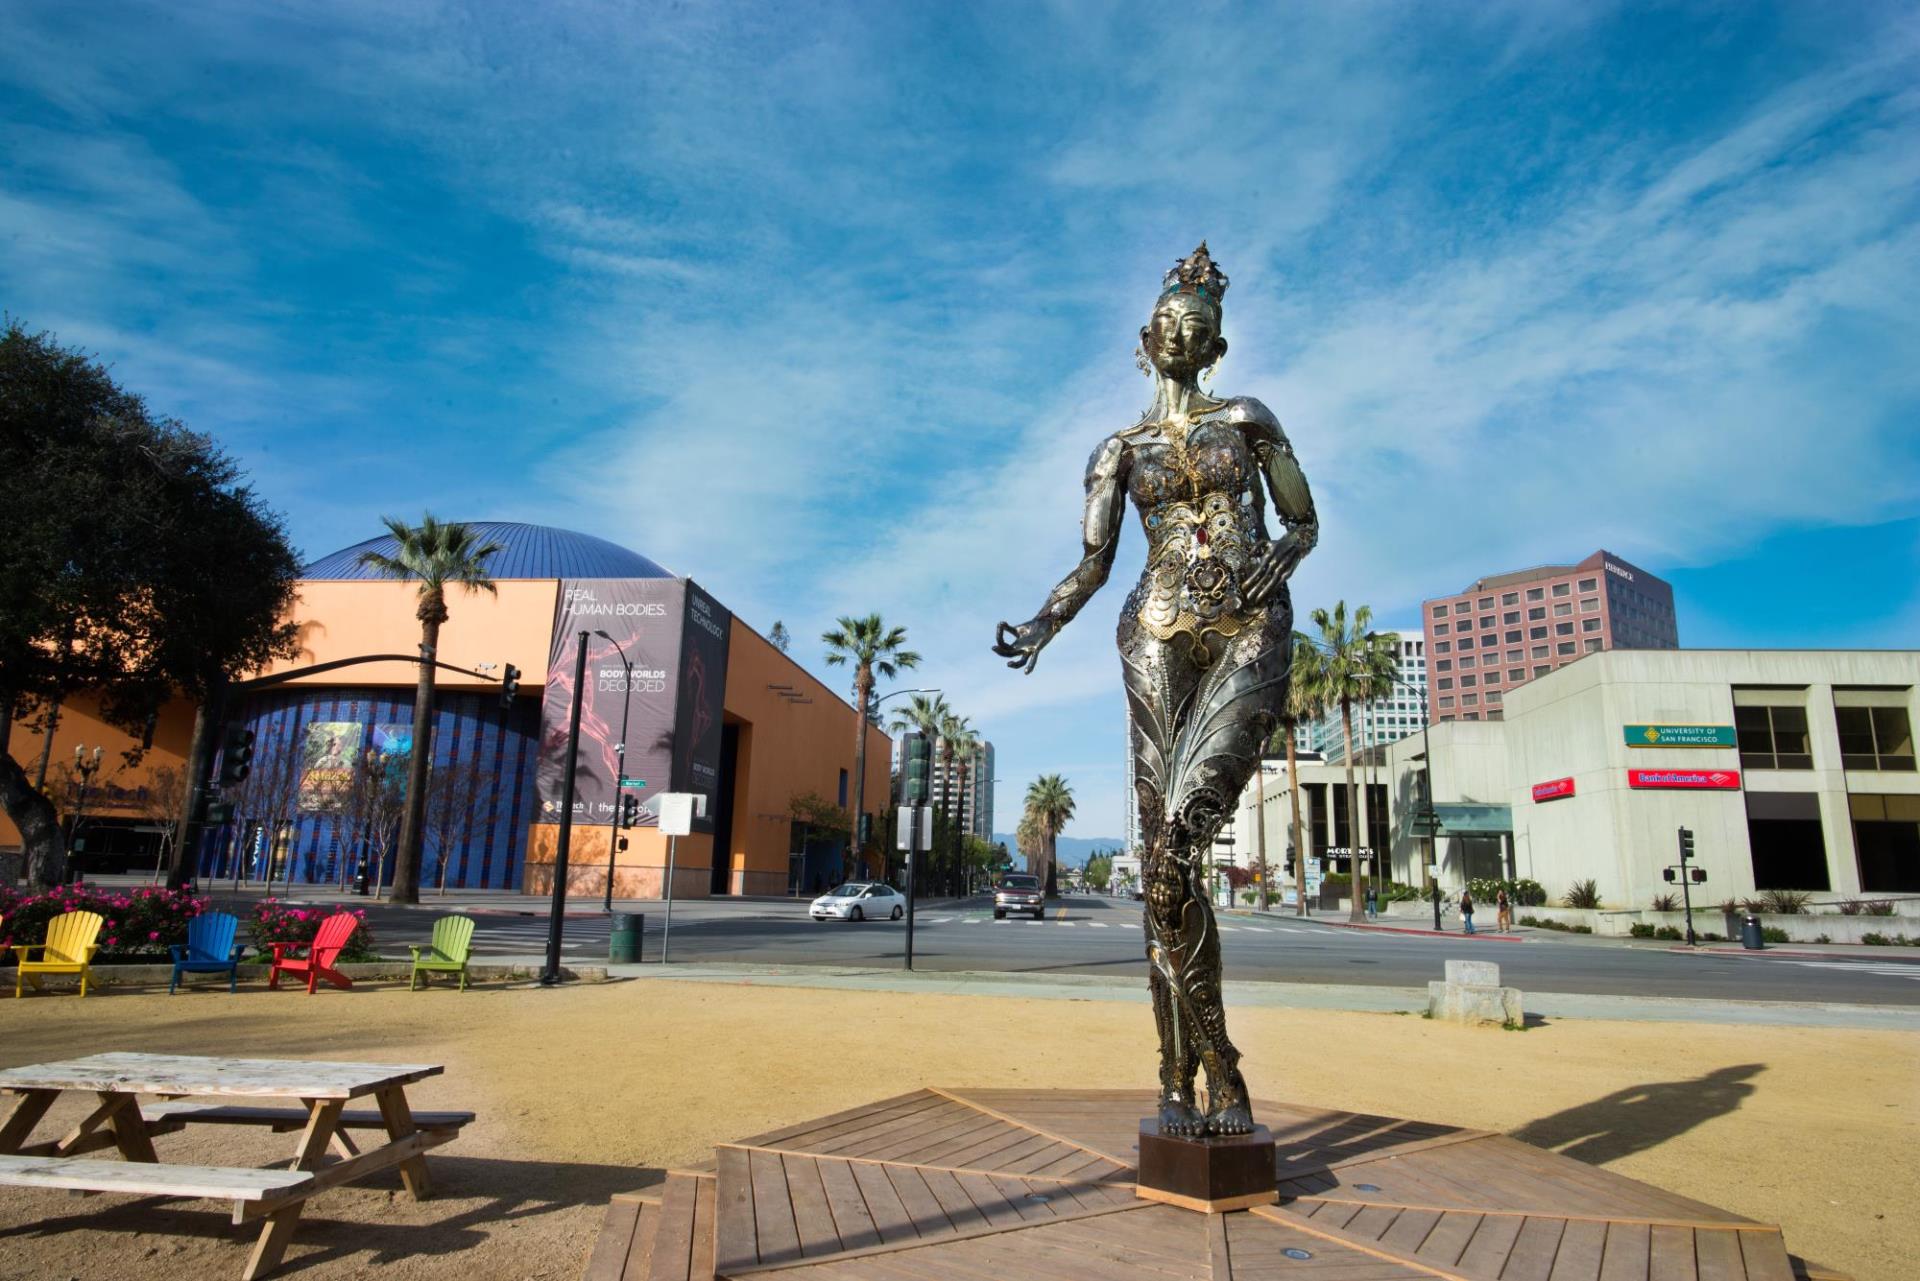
x=1102, y=936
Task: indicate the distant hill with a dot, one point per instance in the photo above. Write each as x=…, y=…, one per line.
x=1074, y=850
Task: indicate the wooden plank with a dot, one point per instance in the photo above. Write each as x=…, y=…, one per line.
x=1765, y=1255
x=775, y=1236
x=735, y=1243
x=639, y=1259
x=812, y=1216
x=608, y=1261
x=1670, y=1254
x=358, y=1167
x=1409, y=1231
x=1219, y=1256
x=1626, y=1255
x=191, y=1111
x=1448, y=1240
x=28, y=1107
x=851, y=1218
x=141, y=1178
x=944, y=1188
x=399, y=1124
x=671, y=1258
x=869, y=1138
x=790, y=1135
x=1531, y=1258
x=891, y=1218
x=1372, y=1222
x=1012, y=1120
x=1029, y=1203
x=1305, y=1205
x=1581, y=1249
x=1716, y=1257
x=705, y=1192
x=200, y=1074
x=1100, y=1163
x=1487, y=1252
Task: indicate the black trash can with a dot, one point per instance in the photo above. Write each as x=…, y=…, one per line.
x=1750, y=936
x=623, y=941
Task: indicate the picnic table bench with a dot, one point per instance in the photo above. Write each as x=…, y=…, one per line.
x=275, y=1196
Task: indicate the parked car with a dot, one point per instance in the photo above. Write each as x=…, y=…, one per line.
x=860, y=901
x=1018, y=892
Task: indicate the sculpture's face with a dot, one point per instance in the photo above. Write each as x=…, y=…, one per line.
x=1182, y=338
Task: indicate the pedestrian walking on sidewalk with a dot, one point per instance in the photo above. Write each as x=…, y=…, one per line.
x=1373, y=903
x=1502, y=913
x=1466, y=910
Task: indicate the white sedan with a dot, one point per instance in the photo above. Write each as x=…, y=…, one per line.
x=860, y=901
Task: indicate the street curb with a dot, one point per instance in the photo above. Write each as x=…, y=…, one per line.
x=1749, y=953
x=1432, y=934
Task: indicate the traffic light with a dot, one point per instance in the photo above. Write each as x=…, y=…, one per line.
x=236, y=755
x=1686, y=844
x=1699, y=875
x=621, y=845
x=1666, y=874
x=629, y=811
x=918, y=769
x=866, y=830
x=509, y=687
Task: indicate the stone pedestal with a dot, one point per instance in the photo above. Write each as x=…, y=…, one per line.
x=1212, y=1175
x=1472, y=995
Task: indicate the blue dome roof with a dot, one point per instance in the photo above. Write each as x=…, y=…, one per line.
x=526, y=551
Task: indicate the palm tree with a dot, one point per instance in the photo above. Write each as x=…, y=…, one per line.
x=872, y=647
x=1050, y=802
x=1356, y=664
x=1305, y=702
x=963, y=741
x=440, y=555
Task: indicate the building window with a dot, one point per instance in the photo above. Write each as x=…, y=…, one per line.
x=1490, y=678
x=1516, y=674
x=1772, y=737
x=1536, y=633
x=1485, y=602
x=1536, y=593
x=1513, y=637
x=1470, y=716
x=1563, y=589
x=1466, y=660
x=1566, y=647
x=1538, y=651
x=1513, y=655
x=1446, y=701
x=1444, y=665
x=843, y=788
x=1511, y=617
x=1542, y=671
x=1537, y=613
x=1562, y=609
x=1590, y=605
x=1441, y=629
x=1510, y=598
x=1589, y=584
x=1461, y=607
x=1468, y=682
x=1563, y=629
x=1465, y=642
x=1487, y=622
x=1589, y=624
x=1593, y=645
x=1886, y=832
x=1874, y=730
x=1493, y=696
x=1443, y=647
x=1439, y=611
x=1469, y=700
x=1788, y=843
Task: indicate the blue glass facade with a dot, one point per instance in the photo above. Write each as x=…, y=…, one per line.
x=486, y=844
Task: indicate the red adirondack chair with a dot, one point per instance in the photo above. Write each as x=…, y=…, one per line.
x=318, y=963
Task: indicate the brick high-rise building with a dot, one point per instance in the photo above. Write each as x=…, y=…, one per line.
x=1507, y=629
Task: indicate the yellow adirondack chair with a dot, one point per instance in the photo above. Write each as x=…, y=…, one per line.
x=69, y=949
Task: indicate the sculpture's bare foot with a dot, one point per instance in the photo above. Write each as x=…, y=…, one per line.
x=1180, y=1119
x=1231, y=1114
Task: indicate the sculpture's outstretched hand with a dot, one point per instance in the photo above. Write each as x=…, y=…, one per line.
x=1021, y=645
x=1272, y=567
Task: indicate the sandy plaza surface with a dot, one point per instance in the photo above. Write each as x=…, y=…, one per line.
x=596, y=1089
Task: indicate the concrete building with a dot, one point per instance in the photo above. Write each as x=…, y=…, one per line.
x=1793, y=768
x=967, y=785
x=1508, y=629
x=1386, y=719
x=1266, y=807
x=711, y=707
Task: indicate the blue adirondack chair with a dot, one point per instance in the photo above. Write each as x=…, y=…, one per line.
x=209, y=949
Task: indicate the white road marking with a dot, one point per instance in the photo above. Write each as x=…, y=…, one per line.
x=1893, y=971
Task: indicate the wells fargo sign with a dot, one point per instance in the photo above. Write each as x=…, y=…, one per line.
x=1712, y=780
x=1679, y=735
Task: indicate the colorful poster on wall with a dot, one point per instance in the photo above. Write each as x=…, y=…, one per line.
x=326, y=764
x=392, y=745
x=644, y=618
x=702, y=700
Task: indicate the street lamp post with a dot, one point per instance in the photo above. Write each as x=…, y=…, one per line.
x=1433, y=833
x=620, y=769
x=556, y=916
x=859, y=791
x=86, y=767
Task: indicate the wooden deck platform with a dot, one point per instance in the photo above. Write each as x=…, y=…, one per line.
x=1004, y=1185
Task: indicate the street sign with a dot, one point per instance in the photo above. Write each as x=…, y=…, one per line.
x=905, y=838
x=1679, y=735
x=1711, y=780
x=633, y=782
x=676, y=813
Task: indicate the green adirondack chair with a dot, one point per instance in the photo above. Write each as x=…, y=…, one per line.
x=447, y=954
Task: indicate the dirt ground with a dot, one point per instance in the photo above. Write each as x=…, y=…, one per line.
x=592, y=1090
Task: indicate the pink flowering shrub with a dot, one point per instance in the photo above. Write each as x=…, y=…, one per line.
x=137, y=923
x=277, y=922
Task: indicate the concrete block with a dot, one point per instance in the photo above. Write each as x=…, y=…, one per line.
x=1474, y=1004
x=1480, y=973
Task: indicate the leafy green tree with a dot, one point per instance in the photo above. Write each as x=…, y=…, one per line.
x=870, y=647
x=438, y=554
x=135, y=566
x=1305, y=702
x=1050, y=802
x=1356, y=664
x=1099, y=871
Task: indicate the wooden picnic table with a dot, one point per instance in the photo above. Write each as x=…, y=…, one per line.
x=319, y=1092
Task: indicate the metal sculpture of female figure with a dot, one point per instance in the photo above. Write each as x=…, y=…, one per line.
x=1205, y=639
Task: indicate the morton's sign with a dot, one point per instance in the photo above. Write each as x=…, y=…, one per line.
x=1679, y=735
x=1713, y=780
x=1553, y=790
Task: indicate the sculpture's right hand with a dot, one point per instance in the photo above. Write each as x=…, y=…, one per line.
x=1021, y=645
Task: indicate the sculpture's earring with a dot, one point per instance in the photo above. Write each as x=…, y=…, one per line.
x=1212, y=371
x=1140, y=361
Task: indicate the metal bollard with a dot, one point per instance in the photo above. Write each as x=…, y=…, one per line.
x=623, y=940
x=1750, y=936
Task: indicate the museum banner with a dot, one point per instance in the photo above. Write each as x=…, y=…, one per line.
x=703, y=688
x=646, y=616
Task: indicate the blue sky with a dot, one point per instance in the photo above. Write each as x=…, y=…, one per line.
x=826, y=306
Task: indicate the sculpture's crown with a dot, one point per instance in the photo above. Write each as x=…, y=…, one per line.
x=1196, y=274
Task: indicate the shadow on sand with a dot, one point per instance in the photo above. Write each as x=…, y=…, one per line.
x=1641, y=1116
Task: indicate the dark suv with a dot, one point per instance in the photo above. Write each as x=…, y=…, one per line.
x=1019, y=893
